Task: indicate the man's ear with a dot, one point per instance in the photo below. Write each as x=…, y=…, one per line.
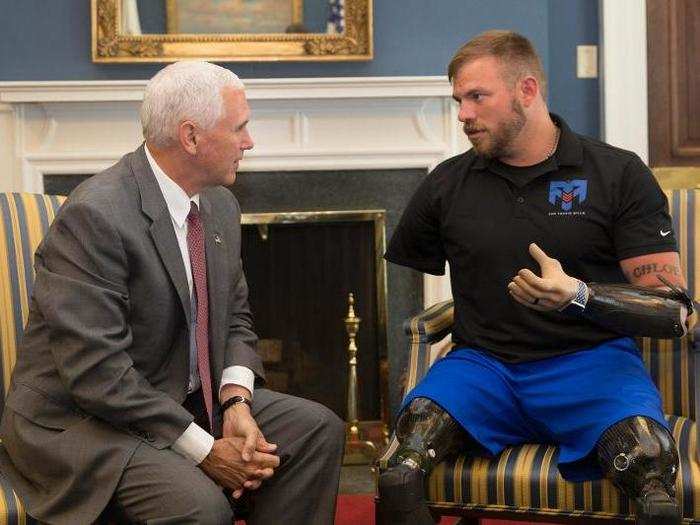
x=188, y=137
x=529, y=90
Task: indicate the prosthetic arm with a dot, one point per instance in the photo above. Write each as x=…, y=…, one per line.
x=634, y=310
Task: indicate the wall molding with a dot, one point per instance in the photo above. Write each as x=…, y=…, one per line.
x=256, y=89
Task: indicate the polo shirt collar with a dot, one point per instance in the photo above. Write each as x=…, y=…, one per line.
x=176, y=199
x=569, y=153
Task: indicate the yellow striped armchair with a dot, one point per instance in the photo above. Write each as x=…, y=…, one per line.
x=24, y=220
x=523, y=482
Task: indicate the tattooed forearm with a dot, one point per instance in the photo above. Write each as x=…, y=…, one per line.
x=652, y=268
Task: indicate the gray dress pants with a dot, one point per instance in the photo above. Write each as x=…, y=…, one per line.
x=161, y=486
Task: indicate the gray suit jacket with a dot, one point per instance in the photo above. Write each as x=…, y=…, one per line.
x=104, y=362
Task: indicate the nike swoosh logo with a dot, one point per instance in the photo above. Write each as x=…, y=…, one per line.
x=663, y=233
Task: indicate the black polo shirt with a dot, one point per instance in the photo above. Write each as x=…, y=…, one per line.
x=590, y=205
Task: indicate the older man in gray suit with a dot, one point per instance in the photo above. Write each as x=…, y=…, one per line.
x=140, y=345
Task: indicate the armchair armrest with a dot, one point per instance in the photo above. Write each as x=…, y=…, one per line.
x=424, y=329
x=432, y=324
x=693, y=340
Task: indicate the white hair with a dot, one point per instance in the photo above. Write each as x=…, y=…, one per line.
x=188, y=90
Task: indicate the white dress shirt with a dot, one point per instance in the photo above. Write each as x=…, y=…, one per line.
x=195, y=443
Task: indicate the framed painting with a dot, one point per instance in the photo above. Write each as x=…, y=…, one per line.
x=233, y=16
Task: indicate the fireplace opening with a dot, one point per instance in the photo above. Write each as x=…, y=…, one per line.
x=303, y=266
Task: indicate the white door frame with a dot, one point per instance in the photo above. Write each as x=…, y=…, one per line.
x=623, y=83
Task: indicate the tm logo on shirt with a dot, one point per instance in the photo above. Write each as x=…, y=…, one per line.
x=567, y=191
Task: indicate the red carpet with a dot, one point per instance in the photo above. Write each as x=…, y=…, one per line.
x=358, y=509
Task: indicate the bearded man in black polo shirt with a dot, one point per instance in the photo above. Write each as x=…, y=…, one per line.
x=526, y=218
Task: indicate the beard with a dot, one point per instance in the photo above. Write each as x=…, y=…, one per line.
x=498, y=143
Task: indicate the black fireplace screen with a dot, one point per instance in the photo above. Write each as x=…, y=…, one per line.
x=301, y=268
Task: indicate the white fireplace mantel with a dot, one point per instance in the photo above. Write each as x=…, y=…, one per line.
x=324, y=124
x=75, y=127
x=256, y=89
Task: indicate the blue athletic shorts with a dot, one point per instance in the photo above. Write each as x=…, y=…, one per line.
x=567, y=401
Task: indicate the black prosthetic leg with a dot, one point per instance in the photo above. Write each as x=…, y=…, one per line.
x=426, y=434
x=641, y=458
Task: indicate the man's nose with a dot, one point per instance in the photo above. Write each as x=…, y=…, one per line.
x=248, y=142
x=466, y=113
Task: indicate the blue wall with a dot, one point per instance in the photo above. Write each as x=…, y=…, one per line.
x=572, y=23
x=42, y=40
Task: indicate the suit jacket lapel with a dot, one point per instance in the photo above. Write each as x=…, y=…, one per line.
x=217, y=282
x=153, y=205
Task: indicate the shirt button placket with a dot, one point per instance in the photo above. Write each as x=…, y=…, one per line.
x=520, y=211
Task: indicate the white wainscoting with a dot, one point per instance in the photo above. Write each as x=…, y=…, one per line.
x=298, y=124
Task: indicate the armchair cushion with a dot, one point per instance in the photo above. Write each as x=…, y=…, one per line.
x=525, y=479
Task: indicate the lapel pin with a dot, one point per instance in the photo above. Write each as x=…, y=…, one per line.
x=217, y=238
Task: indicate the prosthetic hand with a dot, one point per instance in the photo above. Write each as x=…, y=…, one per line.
x=641, y=458
x=622, y=308
x=426, y=435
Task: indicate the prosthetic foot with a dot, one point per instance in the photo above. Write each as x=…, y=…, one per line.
x=426, y=434
x=641, y=458
x=402, y=497
x=656, y=507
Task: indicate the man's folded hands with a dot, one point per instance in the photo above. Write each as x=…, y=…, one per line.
x=226, y=466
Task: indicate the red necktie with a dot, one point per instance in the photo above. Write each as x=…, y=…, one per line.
x=198, y=262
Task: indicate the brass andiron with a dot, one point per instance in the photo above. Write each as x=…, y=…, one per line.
x=357, y=451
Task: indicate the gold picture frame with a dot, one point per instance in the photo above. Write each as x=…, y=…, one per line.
x=109, y=44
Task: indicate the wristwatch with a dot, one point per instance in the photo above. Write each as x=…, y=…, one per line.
x=234, y=400
x=578, y=304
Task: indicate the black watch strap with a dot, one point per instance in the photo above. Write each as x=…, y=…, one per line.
x=234, y=400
